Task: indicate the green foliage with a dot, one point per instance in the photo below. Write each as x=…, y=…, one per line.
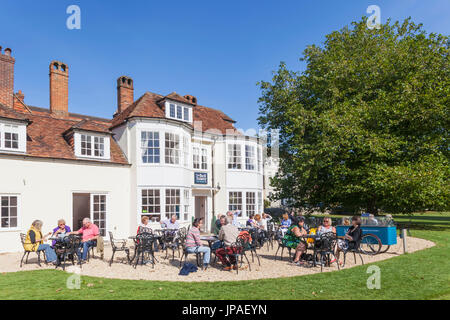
x=365, y=126
x=267, y=203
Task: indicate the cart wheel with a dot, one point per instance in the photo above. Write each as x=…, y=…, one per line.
x=384, y=248
x=370, y=244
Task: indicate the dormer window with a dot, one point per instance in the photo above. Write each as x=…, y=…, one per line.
x=92, y=146
x=89, y=145
x=178, y=111
x=12, y=137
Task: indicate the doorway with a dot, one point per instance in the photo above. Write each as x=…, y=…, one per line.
x=200, y=210
x=89, y=205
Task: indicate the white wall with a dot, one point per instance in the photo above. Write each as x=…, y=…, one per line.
x=45, y=189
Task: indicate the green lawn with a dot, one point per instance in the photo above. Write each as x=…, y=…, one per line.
x=421, y=275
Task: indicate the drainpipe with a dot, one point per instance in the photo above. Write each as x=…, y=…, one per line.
x=213, y=183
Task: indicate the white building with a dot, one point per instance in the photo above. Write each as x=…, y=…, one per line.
x=271, y=167
x=159, y=155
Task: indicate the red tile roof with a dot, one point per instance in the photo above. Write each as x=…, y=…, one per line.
x=149, y=106
x=48, y=136
x=46, y=139
x=176, y=97
x=10, y=113
x=89, y=125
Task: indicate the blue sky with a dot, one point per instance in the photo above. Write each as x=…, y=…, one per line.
x=214, y=50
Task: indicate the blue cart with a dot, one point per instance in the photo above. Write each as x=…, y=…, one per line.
x=377, y=239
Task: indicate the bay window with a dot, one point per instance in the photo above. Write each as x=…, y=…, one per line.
x=235, y=201
x=151, y=204
x=249, y=157
x=250, y=203
x=172, y=203
x=172, y=148
x=150, y=147
x=234, y=156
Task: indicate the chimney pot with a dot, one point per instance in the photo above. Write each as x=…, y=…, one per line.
x=125, y=93
x=6, y=78
x=191, y=98
x=59, y=88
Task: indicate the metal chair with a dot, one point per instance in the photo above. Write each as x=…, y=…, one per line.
x=23, y=237
x=118, y=245
x=170, y=241
x=253, y=245
x=68, y=247
x=238, y=249
x=279, y=239
x=325, y=247
x=355, y=250
x=144, y=246
x=198, y=255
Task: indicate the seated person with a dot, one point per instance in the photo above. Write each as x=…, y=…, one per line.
x=293, y=238
x=326, y=227
x=263, y=221
x=352, y=237
x=194, y=244
x=171, y=224
x=251, y=222
x=285, y=224
x=234, y=215
x=60, y=232
x=89, y=233
x=371, y=221
x=144, y=226
x=34, y=241
x=220, y=222
x=228, y=234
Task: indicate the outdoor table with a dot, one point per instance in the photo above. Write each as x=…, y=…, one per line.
x=210, y=240
x=136, y=247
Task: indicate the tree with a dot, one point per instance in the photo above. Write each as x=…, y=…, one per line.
x=365, y=126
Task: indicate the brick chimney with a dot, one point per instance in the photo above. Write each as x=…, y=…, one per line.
x=59, y=88
x=125, y=93
x=191, y=98
x=19, y=101
x=6, y=78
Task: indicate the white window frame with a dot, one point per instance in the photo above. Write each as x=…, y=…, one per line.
x=106, y=145
x=260, y=202
x=172, y=203
x=173, y=108
x=100, y=211
x=172, y=155
x=196, y=158
x=234, y=206
x=204, y=159
x=16, y=128
x=18, y=204
x=259, y=158
x=250, y=158
x=186, y=205
x=155, y=198
x=250, y=208
x=146, y=148
x=186, y=153
x=234, y=160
